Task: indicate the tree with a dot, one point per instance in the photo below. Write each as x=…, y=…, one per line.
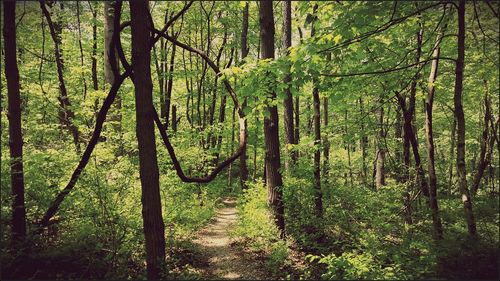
x=66, y=114
x=109, y=54
x=318, y=201
x=18, y=219
x=436, y=220
x=274, y=181
x=483, y=157
x=459, y=115
x=380, y=156
x=151, y=203
x=244, y=53
x=288, y=101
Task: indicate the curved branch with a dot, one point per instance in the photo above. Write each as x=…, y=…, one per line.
x=243, y=135
x=386, y=70
x=379, y=29
x=177, y=165
x=491, y=8
x=209, y=62
x=101, y=117
x=172, y=20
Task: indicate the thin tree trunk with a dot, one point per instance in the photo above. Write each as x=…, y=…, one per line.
x=66, y=115
x=109, y=18
x=436, y=220
x=288, y=101
x=348, y=148
x=110, y=74
x=326, y=142
x=18, y=219
x=229, y=172
x=483, y=161
x=244, y=53
x=318, y=200
x=380, y=157
x=452, y=152
x=274, y=181
x=459, y=115
x=170, y=82
x=149, y=174
x=174, y=118
x=81, y=49
x=364, y=145
x=95, y=84
x=297, y=120
x=398, y=134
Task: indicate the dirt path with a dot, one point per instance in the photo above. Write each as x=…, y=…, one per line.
x=225, y=261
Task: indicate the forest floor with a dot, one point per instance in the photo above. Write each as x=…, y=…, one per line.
x=224, y=260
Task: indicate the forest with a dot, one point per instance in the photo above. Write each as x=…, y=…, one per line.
x=256, y=140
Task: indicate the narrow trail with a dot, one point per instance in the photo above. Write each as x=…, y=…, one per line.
x=224, y=260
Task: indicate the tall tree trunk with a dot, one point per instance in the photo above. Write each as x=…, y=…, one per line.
x=380, y=157
x=95, y=84
x=151, y=203
x=436, y=220
x=244, y=53
x=274, y=181
x=348, y=148
x=410, y=136
x=109, y=54
x=483, y=161
x=453, y=139
x=18, y=219
x=110, y=74
x=288, y=101
x=398, y=134
x=318, y=200
x=326, y=142
x=66, y=115
x=81, y=49
x=296, y=136
x=174, y=118
x=459, y=115
x=364, y=144
x=170, y=82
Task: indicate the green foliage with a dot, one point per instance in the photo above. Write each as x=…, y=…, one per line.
x=256, y=227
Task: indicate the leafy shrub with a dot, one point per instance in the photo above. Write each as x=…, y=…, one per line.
x=256, y=227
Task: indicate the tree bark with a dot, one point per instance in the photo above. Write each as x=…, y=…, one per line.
x=81, y=49
x=483, y=160
x=398, y=134
x=410, y=136
x=380, y=157
x=436, y=220
x=151, y=202
x=95, y=84
x=288, y=101
x=274, y=181
x=109, y=18
x=18, y=219
x=453, y=139
x=364, y=145
x=244, y=53
x=66, y=115
x=459, y=115
x=111, y=69
x=318, y=196
x=326, y=142
x=318, y=200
